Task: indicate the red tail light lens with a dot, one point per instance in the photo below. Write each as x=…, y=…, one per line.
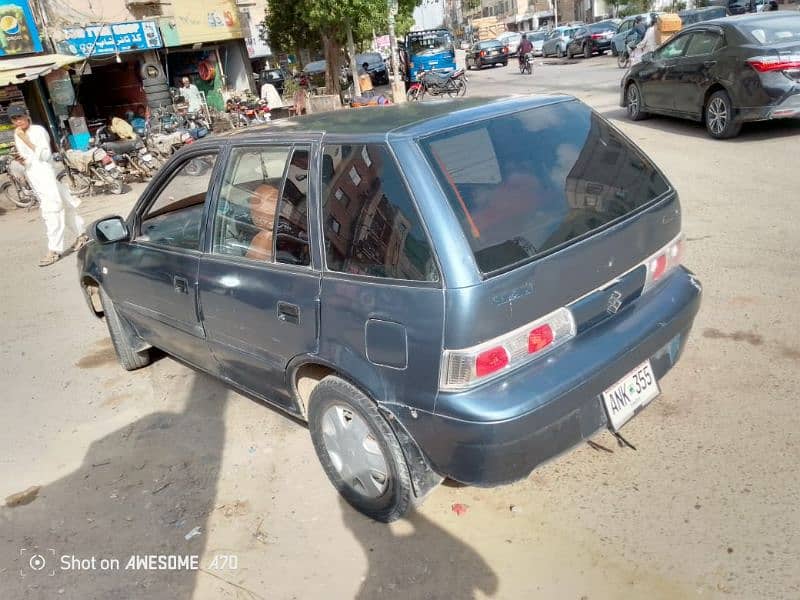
x=465, y=368
x=505, y=50
x=663, y=262
x=483, y=53
x=491, y=361
x=765, y=64
x=597, y=36
x=540, y=338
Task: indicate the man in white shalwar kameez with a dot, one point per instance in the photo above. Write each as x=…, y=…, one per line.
x=56, y=203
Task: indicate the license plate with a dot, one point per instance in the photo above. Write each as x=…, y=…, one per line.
x=630, y=394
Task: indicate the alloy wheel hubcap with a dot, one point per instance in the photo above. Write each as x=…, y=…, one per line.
x=354, y=451
x=633, y=100
x=717, y=115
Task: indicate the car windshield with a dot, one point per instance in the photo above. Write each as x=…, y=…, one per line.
x=773, y=30
x=537, y=37
x=566, y=174
x=430, y=44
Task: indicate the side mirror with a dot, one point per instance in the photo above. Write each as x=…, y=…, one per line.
x=648, y=57
x=110, y=230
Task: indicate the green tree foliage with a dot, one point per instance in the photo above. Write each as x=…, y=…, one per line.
x=294, y=24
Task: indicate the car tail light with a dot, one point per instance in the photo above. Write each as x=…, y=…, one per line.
x=765, y=64
x=663, y=262
x=505, y=49
x=597, y=36
x=463, y=369
x=483, y=53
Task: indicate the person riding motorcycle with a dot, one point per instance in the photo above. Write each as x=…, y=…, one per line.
x=525, y=46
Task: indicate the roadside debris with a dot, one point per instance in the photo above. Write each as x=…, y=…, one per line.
x=23, y=498
x=459, y=508
x=193, y=533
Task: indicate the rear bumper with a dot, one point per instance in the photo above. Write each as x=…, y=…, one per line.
x=493, y=60
x=788, y=108
x=500, y=432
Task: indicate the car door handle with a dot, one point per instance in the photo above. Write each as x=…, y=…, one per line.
x=289, y=313
x=181, y=284
x=709, y=63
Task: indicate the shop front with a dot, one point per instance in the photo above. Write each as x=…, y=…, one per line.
x=23, y=67
x=122, y=74
x=205, y=42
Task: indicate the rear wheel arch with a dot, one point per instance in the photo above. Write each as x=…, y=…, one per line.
x=714, y=87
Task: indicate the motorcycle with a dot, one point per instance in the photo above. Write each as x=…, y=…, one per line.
x=17, y=189
x=437, y=83
x=133, y=158
x=87, y=169
x=526, y=63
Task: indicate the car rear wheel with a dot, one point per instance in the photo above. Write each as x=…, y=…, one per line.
x=560, y=52
x=359, y=451
x=587, y=51
x=633, y=101
x=123, y=337
x=719, y=116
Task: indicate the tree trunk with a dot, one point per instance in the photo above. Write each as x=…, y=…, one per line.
x=332, y=61
x=351, y=51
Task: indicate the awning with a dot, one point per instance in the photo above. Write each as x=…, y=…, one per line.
x=17, y=70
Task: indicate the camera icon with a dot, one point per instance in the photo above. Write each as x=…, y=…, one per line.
x=37, y=561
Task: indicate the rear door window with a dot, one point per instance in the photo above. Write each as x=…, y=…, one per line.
x=703, y=43
x=566, y=175
x=369, y=221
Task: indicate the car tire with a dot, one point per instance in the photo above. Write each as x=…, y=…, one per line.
x=560, y=52
x=569, y=54
x=349, y=433
x=634, y=102
x=505, y=63
x=718, y=115
x=77, y=183
x=587, y=51
x=123, y=337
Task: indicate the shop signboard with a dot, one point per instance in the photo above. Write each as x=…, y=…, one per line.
x=198, y=21
x=18, y=31
x=256, y=46
x=132, y=36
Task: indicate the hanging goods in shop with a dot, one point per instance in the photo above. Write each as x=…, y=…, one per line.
x=206, y=70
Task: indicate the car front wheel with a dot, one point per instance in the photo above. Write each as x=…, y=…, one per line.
x=719, y=116
x=633, y=101
x=359, y=451
x=123, y=337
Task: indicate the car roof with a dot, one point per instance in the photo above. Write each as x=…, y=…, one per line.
x=416, y=119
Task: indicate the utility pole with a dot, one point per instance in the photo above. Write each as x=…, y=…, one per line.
x=398, y=88
x=555, y=13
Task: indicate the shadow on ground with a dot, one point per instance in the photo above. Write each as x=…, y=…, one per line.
x=140, y=490
x=428, y=563
x=751, y=132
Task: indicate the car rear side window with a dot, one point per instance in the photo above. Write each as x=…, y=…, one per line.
x=704, y=42
x=262, y=211
x=371, y=227
x=525, y=184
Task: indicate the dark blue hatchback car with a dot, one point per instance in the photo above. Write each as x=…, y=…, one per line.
x=459, y=289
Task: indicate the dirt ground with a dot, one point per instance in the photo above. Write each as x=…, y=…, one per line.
x=130, y=464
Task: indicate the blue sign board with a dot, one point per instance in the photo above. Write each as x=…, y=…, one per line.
x=18, y=31
x=109, y=39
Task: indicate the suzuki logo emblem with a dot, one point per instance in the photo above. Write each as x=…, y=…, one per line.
x=614, y=302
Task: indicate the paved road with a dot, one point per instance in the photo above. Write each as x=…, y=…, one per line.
x=132, y=462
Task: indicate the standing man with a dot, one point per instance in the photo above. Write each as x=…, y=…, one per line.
x=191, y=94
x=56, y=203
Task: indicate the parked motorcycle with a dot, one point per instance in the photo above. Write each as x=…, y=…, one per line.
x=437, y=83
x=87, y=169
x=17, y=189
x=135, y=161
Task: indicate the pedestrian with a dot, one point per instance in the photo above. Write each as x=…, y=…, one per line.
x=56, y=203
x=650, y=41
x=639, y=28
x=191, y=94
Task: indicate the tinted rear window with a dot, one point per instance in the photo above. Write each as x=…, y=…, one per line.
x=774, y=30
x=527, y=183
x=600, y=27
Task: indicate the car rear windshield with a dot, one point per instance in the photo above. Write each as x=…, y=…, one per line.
x=528, y=183
x=535, y=37
x=773, y=30
x=600, y=27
